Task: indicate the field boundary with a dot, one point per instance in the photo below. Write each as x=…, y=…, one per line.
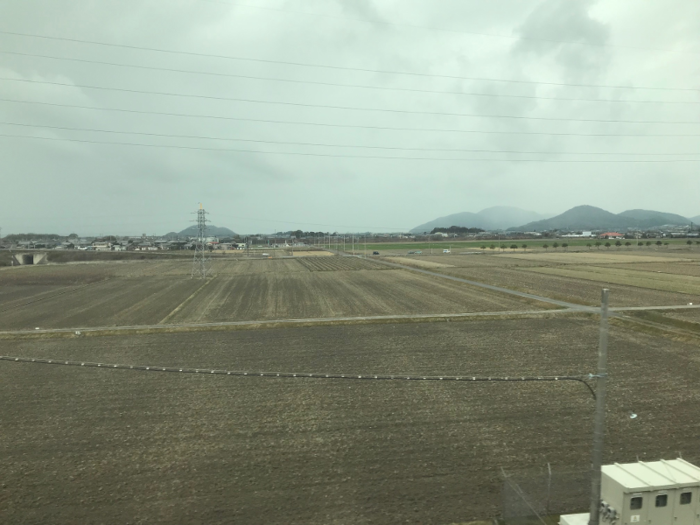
x=288, y=323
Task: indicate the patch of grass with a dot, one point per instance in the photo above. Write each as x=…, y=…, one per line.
x=64, y=256
x=438, y=246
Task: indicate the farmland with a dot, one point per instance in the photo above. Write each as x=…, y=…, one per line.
x=81, y=444
x=397, y=248
x=152, y=292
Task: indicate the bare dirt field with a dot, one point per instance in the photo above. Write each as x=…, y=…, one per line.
x=643, y=279
x=567, y=288
x=323, y=294
x=420, y=262
x=86, y=445
x=160, y=291
x=676, y=268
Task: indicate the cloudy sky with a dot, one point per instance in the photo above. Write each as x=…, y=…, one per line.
x=120, y=116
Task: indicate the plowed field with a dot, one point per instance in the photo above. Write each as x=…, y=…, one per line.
x=569, y=289
x=116, y=446
x=323, y=294
x=160, y=291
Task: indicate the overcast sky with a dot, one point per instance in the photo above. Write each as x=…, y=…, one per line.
x=70, y=184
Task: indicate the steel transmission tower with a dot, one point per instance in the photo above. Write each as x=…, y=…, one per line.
x=200, y=264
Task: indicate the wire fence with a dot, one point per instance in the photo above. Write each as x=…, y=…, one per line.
x=539, y=498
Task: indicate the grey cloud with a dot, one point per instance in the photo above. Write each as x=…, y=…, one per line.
x=134, y=189
x=552, y=24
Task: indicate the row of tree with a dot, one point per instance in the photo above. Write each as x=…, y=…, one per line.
x=456, y=229
x=597, y=244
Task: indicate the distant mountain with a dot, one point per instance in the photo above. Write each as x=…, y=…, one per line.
x=695, y=219
x=496, y=218
x=212, y=231
x=655, y=217
x=592, y=218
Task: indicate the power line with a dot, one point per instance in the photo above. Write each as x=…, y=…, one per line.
x=328, y=155
x=341, y=108
x=295, y=375
x=339, y=84
x=329, y=145
x=327, y=66
x=347, y=126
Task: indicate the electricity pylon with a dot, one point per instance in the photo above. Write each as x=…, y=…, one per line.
x=201, y=262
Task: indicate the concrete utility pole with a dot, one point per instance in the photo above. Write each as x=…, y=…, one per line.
x=599, y=426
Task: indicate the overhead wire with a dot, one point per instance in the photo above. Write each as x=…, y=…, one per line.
x=331, y=145
x=328, y=155
x=335, y=67
x=346, y=85
x=342, y=108
x=299, y=375
x=347, y=126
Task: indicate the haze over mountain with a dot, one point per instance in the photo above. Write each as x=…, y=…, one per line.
x=695, y=219
x=212, y=231
x=592, y=218
x=495, y=218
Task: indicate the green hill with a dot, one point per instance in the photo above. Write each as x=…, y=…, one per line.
x=592, y=218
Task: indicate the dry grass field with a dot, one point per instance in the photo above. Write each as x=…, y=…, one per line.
x=116, y=446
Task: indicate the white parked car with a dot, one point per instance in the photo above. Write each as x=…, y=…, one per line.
x=446, y=251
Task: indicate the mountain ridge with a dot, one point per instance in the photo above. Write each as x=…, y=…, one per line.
x=212, y=231
x=493, y=218
x=587, y=217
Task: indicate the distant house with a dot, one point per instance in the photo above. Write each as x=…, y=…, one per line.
x=102, y=246
x=611, y=235
x=578, y=234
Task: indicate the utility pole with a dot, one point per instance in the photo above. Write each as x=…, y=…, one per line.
x=599, y=425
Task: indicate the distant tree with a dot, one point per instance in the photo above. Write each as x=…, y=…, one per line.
x=589, y=246
x=618, y=243
x=697, y=242
x=503, y=246
x=545, y=246
x=564, y=245
x=659, y=243
x=666, y=244
x=628, y=244
x=492, y=247
x=524, y=246
x=689, y=243
x=513, y=246
x=555, y=245
x=648, y=243
x=456, y=229
x=483, y=246
x=607, y=245
x=640, y=243
x=598, y=244
x=73, y=236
